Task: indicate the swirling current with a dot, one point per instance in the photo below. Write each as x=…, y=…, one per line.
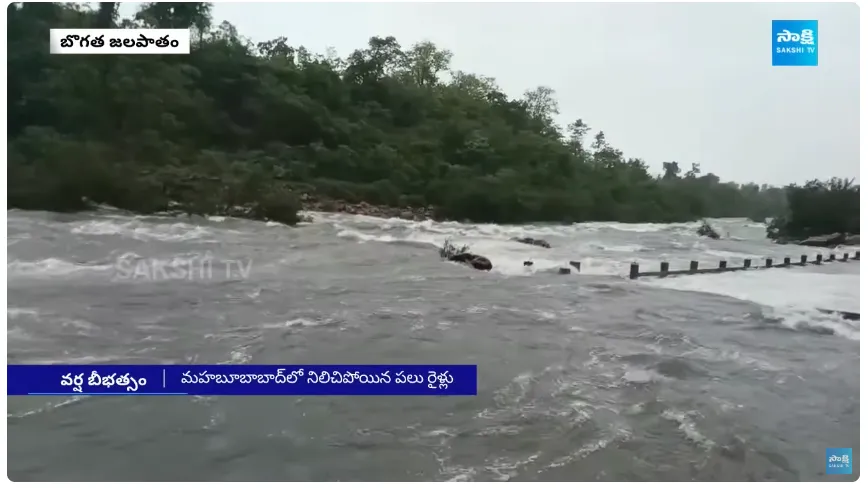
x=582, y=377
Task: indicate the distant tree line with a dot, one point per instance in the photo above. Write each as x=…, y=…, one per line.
x=818, y=208
x=243, y=124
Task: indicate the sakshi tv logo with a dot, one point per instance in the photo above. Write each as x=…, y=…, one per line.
x=795, y=43
x=839, y=460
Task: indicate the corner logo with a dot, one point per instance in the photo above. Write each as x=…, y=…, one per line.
x=839, y=460
x=794, y=43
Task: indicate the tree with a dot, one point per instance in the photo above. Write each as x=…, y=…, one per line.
x=817, y=208
x=476, y=86
x=176, y=15
x=671, y=170
x=237, y=125
x=541, y=103
x=424, y=62
x=105, y=19
x=576, y=132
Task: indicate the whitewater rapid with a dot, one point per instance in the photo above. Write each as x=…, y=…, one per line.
x=603, y=248
x=607, y=248
x=586, y=376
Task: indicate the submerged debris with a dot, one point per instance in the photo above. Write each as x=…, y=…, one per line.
x=460, y=255
x=707, y=231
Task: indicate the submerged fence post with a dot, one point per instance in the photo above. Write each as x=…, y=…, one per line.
x=748, y=264
x=664, y=269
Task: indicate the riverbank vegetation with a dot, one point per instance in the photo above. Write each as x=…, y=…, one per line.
x=818, y=208
x=238, y=126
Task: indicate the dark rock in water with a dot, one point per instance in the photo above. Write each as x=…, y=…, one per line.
x=842, y=314
x=828, y=240
x=321, y=203
x=707, y=231
x=564, y=271
x=785, y=240
x=532, y=241
x=457, y=254
x=576, y=264
x=528, y=263
x=474, y=260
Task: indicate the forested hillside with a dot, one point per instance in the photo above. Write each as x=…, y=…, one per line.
x=237, y=123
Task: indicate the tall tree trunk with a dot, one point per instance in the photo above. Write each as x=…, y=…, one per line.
x=105, y=18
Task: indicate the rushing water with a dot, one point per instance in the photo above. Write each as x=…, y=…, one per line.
x=582, y=377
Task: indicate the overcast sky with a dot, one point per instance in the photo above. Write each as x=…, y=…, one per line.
x=665, y=82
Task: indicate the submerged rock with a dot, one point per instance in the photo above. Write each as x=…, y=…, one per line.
x=456, y=254
x=532, y=241
x=828, y=240
x=325, y=204
x=474, y=260
x=707, y=231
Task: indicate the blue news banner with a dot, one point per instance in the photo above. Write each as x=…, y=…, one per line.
x=213, y=380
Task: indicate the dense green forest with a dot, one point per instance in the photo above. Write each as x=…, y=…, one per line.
x=237, y=123
x=817, y=208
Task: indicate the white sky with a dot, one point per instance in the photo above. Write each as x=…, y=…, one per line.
x=665, y=82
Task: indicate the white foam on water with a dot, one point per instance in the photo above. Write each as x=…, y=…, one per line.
x=12, y=240
x=238, y=356
x=84, y=360
x=688, y=427
x=365, y=237
x=792, y=295
x=617, y=434
x=625, y=248
x=44, y=408
x=142, y=230
x=676, y=228
x=580, y=242
x=301, y=322
x=14, y=313
x=731, y=256
x=492, y=241
x=508, y=257
x=50, y=267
